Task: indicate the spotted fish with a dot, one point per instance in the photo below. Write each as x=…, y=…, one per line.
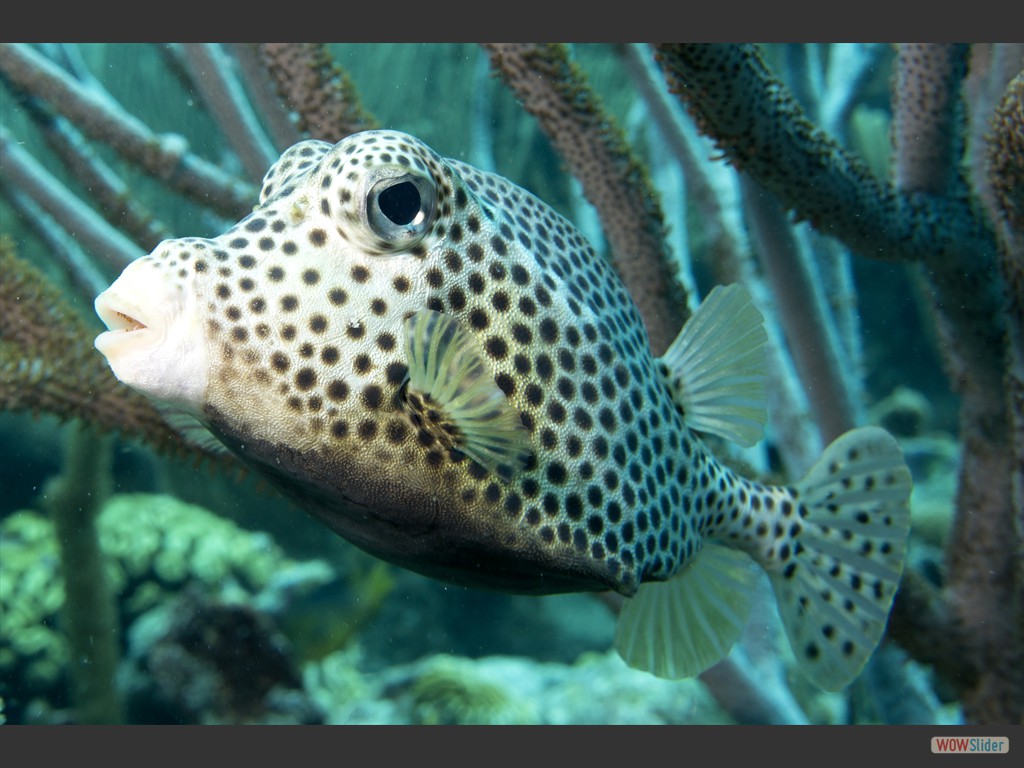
x=441, y=369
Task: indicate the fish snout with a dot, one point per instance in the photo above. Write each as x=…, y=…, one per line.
x=154, y=342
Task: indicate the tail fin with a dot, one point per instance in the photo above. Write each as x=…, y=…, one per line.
x=834, y=596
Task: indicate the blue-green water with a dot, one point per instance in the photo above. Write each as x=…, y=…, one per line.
x=233, y=606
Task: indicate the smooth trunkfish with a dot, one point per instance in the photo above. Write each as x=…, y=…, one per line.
x=442, y=370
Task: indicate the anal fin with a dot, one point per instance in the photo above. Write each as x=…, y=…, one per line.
x=680, y=627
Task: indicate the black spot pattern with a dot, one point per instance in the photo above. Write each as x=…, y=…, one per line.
x=310, y=316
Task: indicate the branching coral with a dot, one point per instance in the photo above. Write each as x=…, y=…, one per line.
x=166, y=157
x=1006, y=159
x=552, y=89
x=320, y=93
x=929, y=216
x=211, y=72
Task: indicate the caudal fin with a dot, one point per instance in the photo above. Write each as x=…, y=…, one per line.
x=834, y=596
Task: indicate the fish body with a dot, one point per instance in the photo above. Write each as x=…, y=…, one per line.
x=441, y=369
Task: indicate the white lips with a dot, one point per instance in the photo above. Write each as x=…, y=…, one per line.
x=123, y=320
x=154, y=342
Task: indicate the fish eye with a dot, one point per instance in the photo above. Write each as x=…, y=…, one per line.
x=399, y=209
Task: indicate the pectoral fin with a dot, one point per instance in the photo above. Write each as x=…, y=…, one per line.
x=452, y=392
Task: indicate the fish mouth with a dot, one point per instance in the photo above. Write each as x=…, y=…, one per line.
x=154, y=340
x=123, y=320
x=116, y=320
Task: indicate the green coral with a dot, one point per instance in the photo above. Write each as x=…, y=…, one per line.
x=158, y=544
x=155, y=546
x=31, y=593
x=335, y=683
x=451, y=691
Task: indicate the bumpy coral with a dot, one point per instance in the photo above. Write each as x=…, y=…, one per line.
x=156, y=546
x=758, y=124
x=446, y=689
x=322, y=95
x=552, y=89
x=32, y=651
x=1007, y=153
x=451, y=692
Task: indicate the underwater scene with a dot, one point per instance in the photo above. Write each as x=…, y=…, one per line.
x=512, y=384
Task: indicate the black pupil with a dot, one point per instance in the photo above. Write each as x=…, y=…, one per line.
x=400, y=202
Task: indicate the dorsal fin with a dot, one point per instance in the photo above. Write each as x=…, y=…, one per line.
x=716, y=367
x=453, y=393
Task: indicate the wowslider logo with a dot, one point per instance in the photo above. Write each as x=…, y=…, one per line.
x=970, y=744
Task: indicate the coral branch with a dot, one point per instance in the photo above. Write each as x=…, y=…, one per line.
x=927, y=146
x=555, y=92
x=222, y=93
x=760, y=127
x=264, y=97
x=984, y=550
x=83, y=275
x=762, y=130
x=48, y=364
x=89, y=615
x=921, y=624
x=164, y=156
x=24, y=174
x=813, y=340
x=1006, y=161
x=316, y=89
x=114, y=200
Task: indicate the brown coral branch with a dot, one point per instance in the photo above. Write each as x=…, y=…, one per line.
x=926, y=143
x=1006, y=161
x=48, y=365
x=164, y=156
x=983, y=553
x=921, y=624
x=319, y=92
x=554, y=91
